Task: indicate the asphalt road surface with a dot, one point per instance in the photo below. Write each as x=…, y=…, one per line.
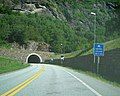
x=49, y=80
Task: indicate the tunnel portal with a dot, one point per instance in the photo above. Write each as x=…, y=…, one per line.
x=33, y=58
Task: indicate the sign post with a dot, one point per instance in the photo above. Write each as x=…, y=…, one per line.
x=98, y=51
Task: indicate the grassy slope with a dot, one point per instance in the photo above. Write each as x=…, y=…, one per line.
x=8, y=65
x=110, y=45
x=67, y=55
x=113, y=44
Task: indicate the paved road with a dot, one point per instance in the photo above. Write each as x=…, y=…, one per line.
x=49, y=80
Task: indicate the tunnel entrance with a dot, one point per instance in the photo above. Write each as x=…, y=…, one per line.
x=33, y=58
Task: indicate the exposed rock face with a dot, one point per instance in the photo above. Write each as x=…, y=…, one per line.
x=35, y=46
x=32, y=8
x=29, y=7
x=32, y=46
x=43, y=47
x=20, y=54
x=77, y=15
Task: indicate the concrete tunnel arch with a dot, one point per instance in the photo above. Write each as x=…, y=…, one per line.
x=34, y=58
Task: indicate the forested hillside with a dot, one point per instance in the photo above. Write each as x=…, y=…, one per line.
x=67, y=22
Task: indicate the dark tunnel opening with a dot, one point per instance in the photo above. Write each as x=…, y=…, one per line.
x=33, y=59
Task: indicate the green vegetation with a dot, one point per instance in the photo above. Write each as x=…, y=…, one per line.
x=8, y=65
x=109, y=66
x=75, y=31
x=20, y=28
x=6, y=6
x=66, y=55
x=5, y=45
x=72, y=54
x=113, y=44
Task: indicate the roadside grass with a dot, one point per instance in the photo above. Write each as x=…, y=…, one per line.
x=66, y=55
x=8, y=65
x=113, y=44
x=110, y=45
x=73, y=54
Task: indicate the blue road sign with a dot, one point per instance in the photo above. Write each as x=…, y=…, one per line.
x=98, y=49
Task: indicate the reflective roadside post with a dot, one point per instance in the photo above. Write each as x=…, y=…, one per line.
x=61, y=53
x=61, y=48
x=94, y=14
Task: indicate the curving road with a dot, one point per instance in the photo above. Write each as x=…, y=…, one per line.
x=49, y=80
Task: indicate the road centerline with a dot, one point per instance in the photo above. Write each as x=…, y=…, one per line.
x=19, y=87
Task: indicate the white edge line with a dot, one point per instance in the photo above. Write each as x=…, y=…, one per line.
x=90, y=88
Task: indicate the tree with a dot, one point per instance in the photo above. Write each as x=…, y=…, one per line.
x=16, y=35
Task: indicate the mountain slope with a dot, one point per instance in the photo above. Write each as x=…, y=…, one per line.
x=69, y=23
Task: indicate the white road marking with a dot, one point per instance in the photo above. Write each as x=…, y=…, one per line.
x=90, y=88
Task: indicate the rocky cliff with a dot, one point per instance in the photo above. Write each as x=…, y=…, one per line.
x=77, y=14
